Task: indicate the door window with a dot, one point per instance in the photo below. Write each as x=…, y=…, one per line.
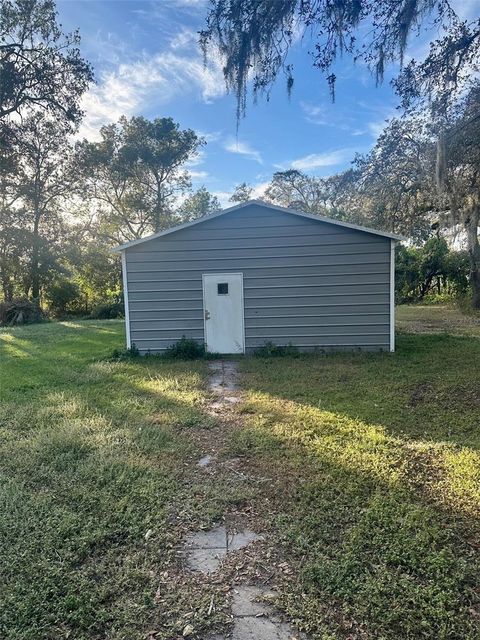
x=222, y=288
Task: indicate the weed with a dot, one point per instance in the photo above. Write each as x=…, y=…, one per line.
x=271, y=350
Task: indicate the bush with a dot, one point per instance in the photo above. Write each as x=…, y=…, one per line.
x=19, y=312
x=271, y=350
x=108, y=311
x=62, y=296
x=125, y=354
x=186, y=349
x=432, y=271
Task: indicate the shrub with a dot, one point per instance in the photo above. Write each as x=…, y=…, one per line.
x=125, y=354
x=19, y=312
x=107, y=311
x=62, y=295
x=186, y=349
x=271, y=350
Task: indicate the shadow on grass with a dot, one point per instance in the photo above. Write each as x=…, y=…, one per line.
x=371, y=547
x=381, y=516
x=428, y=389
x=93, y=454
x=98, y=453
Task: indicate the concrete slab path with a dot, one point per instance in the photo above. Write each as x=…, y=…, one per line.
x=253, y=617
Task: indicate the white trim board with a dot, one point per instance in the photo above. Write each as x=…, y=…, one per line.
x=392, y=295
x=217, y=214
x=125, y=299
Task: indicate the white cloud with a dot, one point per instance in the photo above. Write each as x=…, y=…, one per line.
x=198, y=158
x=313, y=113
x=224, y=198
x=186, y=38
x=243, y=149
x=376, y=127
x=199, y=175
x=149, y=80
x=210, y=136
x=318, y=160
x=259, y=190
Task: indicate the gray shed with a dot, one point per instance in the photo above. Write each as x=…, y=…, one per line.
x=257, y=273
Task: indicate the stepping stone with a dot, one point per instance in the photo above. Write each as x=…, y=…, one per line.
x=222, y=377
x=240, y=540
x=205, y=560
x=253, y=620
x=205, y=461
x=253, y=628
x=213, y=539
x=206, y=549
x=232, y=399
x=243, y=603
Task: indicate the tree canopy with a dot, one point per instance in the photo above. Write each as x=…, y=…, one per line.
x=136, y=172
x=40, y=67
x=64, y=204
x=255, y=37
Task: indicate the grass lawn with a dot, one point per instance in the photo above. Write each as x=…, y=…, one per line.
x=363, y=471
x=92, y=456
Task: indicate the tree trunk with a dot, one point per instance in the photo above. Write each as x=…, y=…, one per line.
x=34, y=264
x=473, y=246
x=7, y=287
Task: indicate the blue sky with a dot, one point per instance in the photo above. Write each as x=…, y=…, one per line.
x=147, y=62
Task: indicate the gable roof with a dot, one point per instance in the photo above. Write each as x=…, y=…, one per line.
x=259, y=203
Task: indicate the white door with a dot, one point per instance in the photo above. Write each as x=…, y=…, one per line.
x=223, y=312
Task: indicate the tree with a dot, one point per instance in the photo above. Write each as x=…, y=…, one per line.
x=255, y=36
x=447, y=73
x=392, y=187
x=296, y=190
x=431, y=268
x=39, y=66
x=61, y=294
x=136, y=173
x=458, y=177
x=395, y=185
x=241, y=193
x=45, y=176
x=198, y=204
x=89, y=262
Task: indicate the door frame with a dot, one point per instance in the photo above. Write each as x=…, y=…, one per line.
x=242, y=300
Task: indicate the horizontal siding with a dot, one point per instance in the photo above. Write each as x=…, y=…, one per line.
x=277, y=242
x=273, y=224
x=265, y=253
x=320, y=341
x=298, y=280
x=254, y=265
x=308, y=283
x=333, y=320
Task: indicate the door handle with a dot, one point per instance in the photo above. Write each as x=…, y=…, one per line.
x=207, y=314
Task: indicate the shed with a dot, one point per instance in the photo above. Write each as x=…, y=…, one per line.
x=257, y=273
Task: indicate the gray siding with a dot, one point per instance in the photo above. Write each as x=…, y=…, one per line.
x=306, y=282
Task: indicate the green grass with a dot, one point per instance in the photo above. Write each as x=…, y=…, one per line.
x=375, y=470
x=417, y=318
x=372, y=494
x=92, y=455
